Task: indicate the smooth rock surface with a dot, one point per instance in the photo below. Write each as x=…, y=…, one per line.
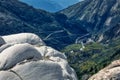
x=40, y=70
x=17, y=53
x=23, y=38
x=4, y=46
x=22, y=60
x=6, y=75
x=48, y=52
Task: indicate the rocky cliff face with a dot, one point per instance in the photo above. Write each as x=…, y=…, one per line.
x=101, y=44
x=25, y=60
x=111, y=72
x=111, y=34
x=95, y=15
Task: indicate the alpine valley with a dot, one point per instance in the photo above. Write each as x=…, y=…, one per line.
x=88, y=33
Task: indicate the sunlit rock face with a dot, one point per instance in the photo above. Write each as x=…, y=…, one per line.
x=22, y=60
x=23, y=38
x=96, y=16
x=111, y=72
x=97, y=13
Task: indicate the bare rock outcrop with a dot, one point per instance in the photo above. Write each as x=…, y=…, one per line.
x=23, y=38
x=111, y=72
x=21, y=58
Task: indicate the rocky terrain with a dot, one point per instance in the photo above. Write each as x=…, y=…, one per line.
x=92, y=58
x=111, y=33
x=111, y=72
x=25, y=57
x=64, y=27
x=87, y=32
x=101, y=44
x=18, y=17
x=96, y=16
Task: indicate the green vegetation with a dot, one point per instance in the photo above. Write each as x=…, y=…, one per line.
x=74, y=47
x=94, y=57
x=94, y=46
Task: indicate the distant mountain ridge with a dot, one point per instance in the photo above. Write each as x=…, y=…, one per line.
x=50, y=5
x=44, y=4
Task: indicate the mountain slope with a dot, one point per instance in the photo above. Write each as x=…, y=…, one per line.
x=17, y=17
x=12, y=9
x=95, y=15
x=110, y=34
x=98, y=49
